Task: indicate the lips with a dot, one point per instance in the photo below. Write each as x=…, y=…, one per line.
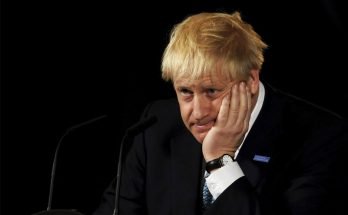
x=202, y=127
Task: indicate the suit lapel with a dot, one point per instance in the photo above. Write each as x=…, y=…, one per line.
x=187, y=171
x=256, y=154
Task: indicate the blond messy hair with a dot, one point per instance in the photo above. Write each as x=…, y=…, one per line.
x=206, y=43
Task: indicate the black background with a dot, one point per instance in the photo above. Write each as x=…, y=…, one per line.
x=64, y=62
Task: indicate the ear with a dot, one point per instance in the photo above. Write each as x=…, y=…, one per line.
x=254, y=81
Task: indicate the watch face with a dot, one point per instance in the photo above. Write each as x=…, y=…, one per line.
x=227, y=159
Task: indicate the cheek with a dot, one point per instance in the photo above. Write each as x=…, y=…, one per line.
x=216, y=106
x=185, y=111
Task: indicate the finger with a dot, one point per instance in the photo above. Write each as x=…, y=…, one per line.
x=224, y=109
x=243, y=105
x=247, y=119
x=234, y=106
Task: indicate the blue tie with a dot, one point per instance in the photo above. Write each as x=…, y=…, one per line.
x=207, y=197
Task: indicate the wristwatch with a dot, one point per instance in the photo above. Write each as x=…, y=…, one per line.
x=218, y=162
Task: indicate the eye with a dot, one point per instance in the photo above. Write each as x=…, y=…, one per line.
x=185, y=92
x=212, y=92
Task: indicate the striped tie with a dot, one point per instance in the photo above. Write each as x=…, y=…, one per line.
x=207, y=197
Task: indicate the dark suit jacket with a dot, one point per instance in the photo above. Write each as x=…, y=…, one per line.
x=164, y=167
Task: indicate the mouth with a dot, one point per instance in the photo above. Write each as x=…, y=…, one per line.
x=202, y=127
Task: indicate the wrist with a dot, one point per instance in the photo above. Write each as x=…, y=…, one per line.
x=219, y=162
x=210, y=157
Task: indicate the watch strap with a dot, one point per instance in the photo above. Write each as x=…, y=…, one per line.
x=213, y=164
x=216, y=163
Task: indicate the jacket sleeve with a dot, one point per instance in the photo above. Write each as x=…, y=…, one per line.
x=239, y=198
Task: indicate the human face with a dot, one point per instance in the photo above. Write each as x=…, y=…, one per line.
x=200, y=102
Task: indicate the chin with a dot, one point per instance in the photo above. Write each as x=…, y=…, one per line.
x=200, y=137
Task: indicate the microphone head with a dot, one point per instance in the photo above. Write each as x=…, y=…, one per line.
x=59, y=212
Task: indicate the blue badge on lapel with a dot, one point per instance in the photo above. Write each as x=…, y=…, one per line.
x=261, y=158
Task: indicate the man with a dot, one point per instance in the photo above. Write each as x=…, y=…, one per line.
x=255, y=149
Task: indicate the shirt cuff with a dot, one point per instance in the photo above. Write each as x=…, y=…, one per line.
x=223, y=177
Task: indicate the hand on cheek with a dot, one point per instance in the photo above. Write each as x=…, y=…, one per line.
x=231, y=124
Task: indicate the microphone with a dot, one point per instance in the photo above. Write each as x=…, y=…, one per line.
x=130, y=132
x=49, y=211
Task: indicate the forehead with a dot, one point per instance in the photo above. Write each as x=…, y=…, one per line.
x=204, y=81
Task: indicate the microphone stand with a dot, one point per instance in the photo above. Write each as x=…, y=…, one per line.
x=49, y=211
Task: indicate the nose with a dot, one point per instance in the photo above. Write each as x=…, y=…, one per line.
x=201, y=107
